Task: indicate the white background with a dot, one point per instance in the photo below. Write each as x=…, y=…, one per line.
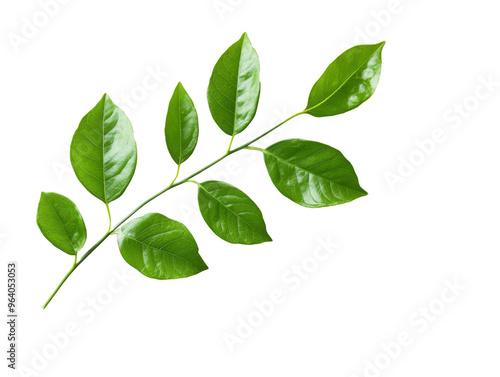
x=399, y=247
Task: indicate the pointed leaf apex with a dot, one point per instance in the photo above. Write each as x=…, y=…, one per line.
x=106, y=99
x=245, y=38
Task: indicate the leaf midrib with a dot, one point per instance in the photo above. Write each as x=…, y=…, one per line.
x=60, y=221
x=180, y=125
x=103, y=163
x=155, y=248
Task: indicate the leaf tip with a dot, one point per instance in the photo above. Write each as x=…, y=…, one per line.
x=244, y=37
x=106, y=98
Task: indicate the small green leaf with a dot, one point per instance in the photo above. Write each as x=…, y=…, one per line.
x=312, y=174
x=160, y=248
x=231, y=214
x=348, y=82
x=181, y=126
x=103, y=151
x=61, y=223
x=234, y=88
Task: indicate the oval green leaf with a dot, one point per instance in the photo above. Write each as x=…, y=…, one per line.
x=231, y=214
x=348, y=82
x=103, y=151
x=234, y=88
x=160, y=248
x=61, y=223
x=312, y=174
x=181, y=126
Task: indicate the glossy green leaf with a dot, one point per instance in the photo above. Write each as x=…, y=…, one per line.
x=234, y=88
x=231, y=214
x=312, y=174
x=61, y=223
x=160, y=248
x=181, y=126
x=348, y=82
x=103, y=151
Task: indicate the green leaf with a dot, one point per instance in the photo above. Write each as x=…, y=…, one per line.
x=103, y=151
x=234, y=88
x=181, y=125
x=312, y=174
x=348, y=82
x=231, y=214
x=61, y=223
x=160, y=248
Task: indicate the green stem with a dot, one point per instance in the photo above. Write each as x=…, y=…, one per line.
x=60, y=284
x=230, y=143
x=255, y=149
x=171, y=186
x=267, y=132
x=109, y=216
x=176, y=174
